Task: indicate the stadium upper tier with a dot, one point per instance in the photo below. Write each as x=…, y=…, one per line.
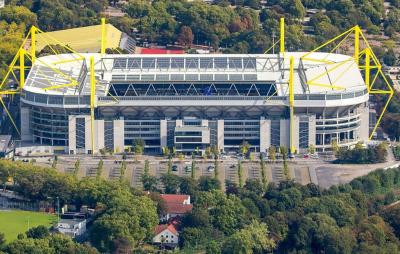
x=321, y=76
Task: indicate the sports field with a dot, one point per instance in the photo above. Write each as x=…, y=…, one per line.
x=13, y=222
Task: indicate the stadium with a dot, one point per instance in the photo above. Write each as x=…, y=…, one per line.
x=107, y=97
x=194, y=101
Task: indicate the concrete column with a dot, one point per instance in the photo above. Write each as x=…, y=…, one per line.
x=99, y=135
x=204, y=122
x=285, y=133
x=26, y=132
x=220, y=135
x=119, y=135
x=364, y=123
x=296, y=133
x=88, y=135
x=163, y=133
x=72, y=134
x=312, y=130
x=265, y=134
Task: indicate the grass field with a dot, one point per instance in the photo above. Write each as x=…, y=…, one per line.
x=13, y=222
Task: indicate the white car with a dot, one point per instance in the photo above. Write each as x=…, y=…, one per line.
x=211, y=168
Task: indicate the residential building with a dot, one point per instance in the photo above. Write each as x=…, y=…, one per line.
x=166, y=235
x=72, y=227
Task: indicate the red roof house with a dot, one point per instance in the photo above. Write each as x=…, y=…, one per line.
x=166, y=234
x=176, y=205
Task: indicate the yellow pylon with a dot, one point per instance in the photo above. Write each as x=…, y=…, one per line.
x=358, y=53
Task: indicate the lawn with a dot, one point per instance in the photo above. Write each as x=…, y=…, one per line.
x=13, y=222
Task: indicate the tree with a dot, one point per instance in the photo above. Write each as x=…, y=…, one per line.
x=389, y=58
x=193, y=173
x=165, y=151
x=244, y=147
x=169, y=169
x=127, y=218
x=264, y=177
x=38, y=232
x=216, y=167
x=311, y=148
x=286, y=171
x=99, y=169
x=335, y=146
x=122, y=171
x=188, y=186
x=240, y=173
x=251, y=239
x=54, y=164
x=171, y=183
x=149, y=182
x=255, y=186
x=77, y=167
x=207, y=183
x=139, y=146
x=186, y=36
x=272, y=153
x=2, y=240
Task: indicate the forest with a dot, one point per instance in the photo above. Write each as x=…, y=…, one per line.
x=359, y=217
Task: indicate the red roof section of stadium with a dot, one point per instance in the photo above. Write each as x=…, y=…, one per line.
x=160, y=51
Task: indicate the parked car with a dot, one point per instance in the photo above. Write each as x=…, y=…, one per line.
x=211, y=168
x=174, y=168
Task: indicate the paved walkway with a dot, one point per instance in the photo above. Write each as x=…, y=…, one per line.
x=326, y=175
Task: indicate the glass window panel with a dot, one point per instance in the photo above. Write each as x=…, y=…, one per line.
x=235, y=63
x=206, y=63
x=192, y=63
x=134, y=63
x=148, y=63
x=221, y=62
x=177, y=63
x=163, y=63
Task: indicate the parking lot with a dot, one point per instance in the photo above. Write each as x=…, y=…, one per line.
x=227, y=168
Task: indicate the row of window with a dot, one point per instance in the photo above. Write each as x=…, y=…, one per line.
x=186, y=62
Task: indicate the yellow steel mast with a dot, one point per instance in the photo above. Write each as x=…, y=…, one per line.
x=21, y=68
x=291, y=104
x=282, y=37
x=33, y=43
x=356, y=44
x=367, y=68
x=92, y=101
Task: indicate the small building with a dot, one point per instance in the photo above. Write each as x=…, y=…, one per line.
x=166, y=235
x=6, y=146
x=72, y=227
x=176, y=205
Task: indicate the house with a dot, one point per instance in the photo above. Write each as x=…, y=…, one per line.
x=72, y=227
x=176, y=205
x=6, y=147
x=166, y=235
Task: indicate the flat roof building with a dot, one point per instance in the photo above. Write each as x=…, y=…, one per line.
x=195, y=101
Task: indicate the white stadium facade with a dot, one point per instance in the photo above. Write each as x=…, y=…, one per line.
x=194, y=101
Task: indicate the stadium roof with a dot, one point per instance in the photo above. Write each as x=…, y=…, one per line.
x=82, y=39
x=326, y=71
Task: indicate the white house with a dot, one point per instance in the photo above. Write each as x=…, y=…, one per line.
x=166, y=235
x=72, y=227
